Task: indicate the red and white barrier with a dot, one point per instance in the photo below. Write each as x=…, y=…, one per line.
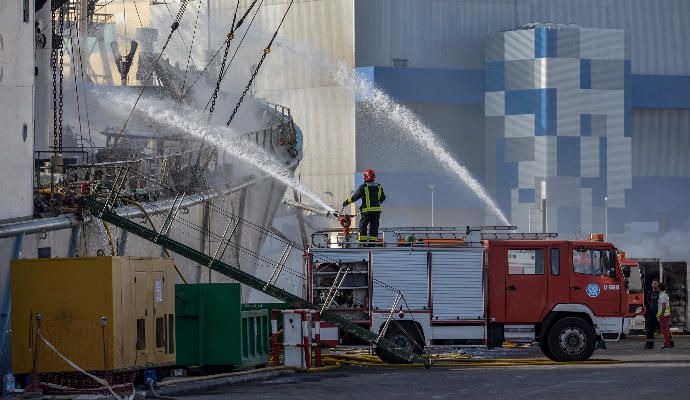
x=329, y=334
x=301, y=332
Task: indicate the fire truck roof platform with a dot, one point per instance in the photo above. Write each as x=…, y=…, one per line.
x=425, y=236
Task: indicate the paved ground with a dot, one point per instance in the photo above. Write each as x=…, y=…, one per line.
x=645, y=374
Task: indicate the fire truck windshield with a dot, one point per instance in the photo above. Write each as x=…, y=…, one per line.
x=594, y=262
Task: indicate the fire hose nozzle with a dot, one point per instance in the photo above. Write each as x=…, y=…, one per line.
x=334, y=214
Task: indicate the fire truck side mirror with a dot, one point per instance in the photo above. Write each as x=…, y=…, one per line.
x=626, y=271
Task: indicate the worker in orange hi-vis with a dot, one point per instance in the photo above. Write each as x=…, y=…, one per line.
x=664, y=316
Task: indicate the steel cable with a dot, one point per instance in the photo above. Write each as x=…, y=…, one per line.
x=228, y=40
x=258, y=67
x=257, y=228
x=173, y=28
x=219, y=239
x=221, y=48
x=76, y=90
x=191, y=47
x=83, y=87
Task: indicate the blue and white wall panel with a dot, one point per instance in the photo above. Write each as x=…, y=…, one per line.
x=441, y=68
x=560, y=94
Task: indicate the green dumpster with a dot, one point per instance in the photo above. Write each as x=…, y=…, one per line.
x=213, y=330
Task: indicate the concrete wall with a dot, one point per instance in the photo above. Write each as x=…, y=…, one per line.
x=16, y=108
x=561, y=95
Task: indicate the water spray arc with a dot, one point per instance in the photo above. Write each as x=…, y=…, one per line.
x=223, y=138
x=386, y=108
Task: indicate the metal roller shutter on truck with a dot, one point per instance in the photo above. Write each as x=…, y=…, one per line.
x=403, y=270
x=457, y=284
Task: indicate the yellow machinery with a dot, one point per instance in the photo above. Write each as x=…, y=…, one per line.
x=72, y=295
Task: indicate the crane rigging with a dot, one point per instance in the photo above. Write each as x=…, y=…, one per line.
x=228, y=40
x=213, y=58
x=258, y=66
x=173, y=28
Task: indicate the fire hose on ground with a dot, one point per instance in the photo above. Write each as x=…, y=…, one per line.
x=446, y=360
x=153, y=393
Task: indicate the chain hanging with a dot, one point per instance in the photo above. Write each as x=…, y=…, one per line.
x=229, y=38
x=180, y=12
x=258, y=66
x=57, y=58
x=53, y=64
x=214, y=97
x=61, y=24
x=249, y=85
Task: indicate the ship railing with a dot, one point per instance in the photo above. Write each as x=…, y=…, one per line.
x=74, y=14
x=61, y=179
x=287, y=130
x=58, y=186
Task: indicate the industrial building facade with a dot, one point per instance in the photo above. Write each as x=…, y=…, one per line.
x=558, y=121
x=589, y=96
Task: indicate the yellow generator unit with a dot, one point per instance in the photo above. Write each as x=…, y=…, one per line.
x=102, y=313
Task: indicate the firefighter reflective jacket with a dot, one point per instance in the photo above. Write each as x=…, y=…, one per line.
x=663, y=299
x=372, y=196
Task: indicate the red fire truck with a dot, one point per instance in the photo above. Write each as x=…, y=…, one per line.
x=474, y=285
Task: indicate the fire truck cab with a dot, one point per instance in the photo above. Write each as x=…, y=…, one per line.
x=474, y=285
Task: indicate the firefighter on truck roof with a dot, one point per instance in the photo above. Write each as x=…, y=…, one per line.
x=372, y=196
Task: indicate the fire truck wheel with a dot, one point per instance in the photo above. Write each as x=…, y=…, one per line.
x=571, y=339
x=544, y=346
x=403, y=335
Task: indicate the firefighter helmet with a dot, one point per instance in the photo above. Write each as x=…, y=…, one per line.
x=369, y=175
